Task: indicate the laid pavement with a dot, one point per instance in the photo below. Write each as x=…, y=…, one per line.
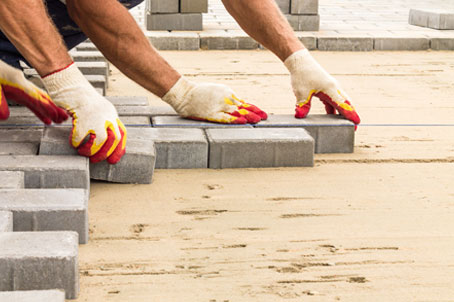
x=372, y=21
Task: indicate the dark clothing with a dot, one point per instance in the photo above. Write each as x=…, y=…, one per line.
x=71, y=33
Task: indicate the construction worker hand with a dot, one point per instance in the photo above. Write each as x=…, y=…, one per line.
x=97, y=131
x=15, y=87
x=211, y=102
x=310, y=79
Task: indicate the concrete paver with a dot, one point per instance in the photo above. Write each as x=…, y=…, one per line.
x=33, y=296
x=37, y=210
x=39, y=261
x=6, y=221
x=11, y=179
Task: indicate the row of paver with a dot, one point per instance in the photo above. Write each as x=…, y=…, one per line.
x=182, y=143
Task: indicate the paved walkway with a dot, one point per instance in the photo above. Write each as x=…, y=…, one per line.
x=373, y=18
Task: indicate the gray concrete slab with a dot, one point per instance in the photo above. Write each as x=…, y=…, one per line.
x=33, y=296
x=39, y=261
x=136, y=121
x=176, y=148
x=226, y=40
x=128, y=100
x=193, y=6
x=162, y=6
x=432, y=18
x=259, y=148
x=146, y=110
x=6, y=221
x=332, y=133
x=20, y=141
x=346, y=43
x=174, y=21
x=178, y=122
x=136, y=166
x=304, y=7
x=175, y=40
x=304, y=22
x=393, y=43
x=87, y=56
x=50, y=171
x=12, y=179
x=37, y=210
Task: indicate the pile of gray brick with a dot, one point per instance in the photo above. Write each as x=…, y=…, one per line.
x=301, y=14
x=432, y=18
x=187, y=14
x=175, y=14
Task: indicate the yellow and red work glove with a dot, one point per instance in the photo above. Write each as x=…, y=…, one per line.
x=211, y=102
x=310, y=79
x=15, y=87
x=97, y=131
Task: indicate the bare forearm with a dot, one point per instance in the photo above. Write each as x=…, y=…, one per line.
x=264, y=22
x=110, y=26
x=28, y=26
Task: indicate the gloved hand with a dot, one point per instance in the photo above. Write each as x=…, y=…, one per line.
x=310, y=79
x=97, y=131
x=15, y=87
x=211, y=102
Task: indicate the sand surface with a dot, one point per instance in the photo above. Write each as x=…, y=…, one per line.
x=376, y=225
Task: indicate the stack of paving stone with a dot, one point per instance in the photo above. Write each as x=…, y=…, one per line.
x=432, y=18
x=175, y=14
x=301, y=14
x=44, y=186
x=91, y=63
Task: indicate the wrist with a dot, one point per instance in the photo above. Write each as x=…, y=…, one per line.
x=175, y=96
x=297, y=59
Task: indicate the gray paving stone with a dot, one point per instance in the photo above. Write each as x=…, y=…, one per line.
x=128, y=100
x=304, y=7
x=401, y=43
x=193, y=6
x=98, y=81
x=50, y=171
x=94, y=68
x=178, y=122
x=222, y=40
x=39, y=261
x=33, y=296
x=136, y=166
x=442, y=43
x=12, y=179
x=304, y=22
x=147, y=110
x=432, y=18
x=136, y=121
x=309, y=41
x=174, y=40
x=284, y=6
x=86, y=46
x=87, y=56
x=346, y=43
x=21, y=122
x=162, y=6
x=6, y=222
x=332, y=133
x=257, y=148
x=37, y=210
x=19, y=141
x=176, y=148
x=174, y=21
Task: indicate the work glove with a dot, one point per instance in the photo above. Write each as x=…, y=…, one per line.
x=211, y=102
x=97, y=131
x=310, y=79
x=15, y=87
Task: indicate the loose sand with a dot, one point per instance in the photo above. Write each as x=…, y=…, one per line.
x=376, y=225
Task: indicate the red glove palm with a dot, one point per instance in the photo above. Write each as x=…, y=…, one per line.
x=15, y=87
